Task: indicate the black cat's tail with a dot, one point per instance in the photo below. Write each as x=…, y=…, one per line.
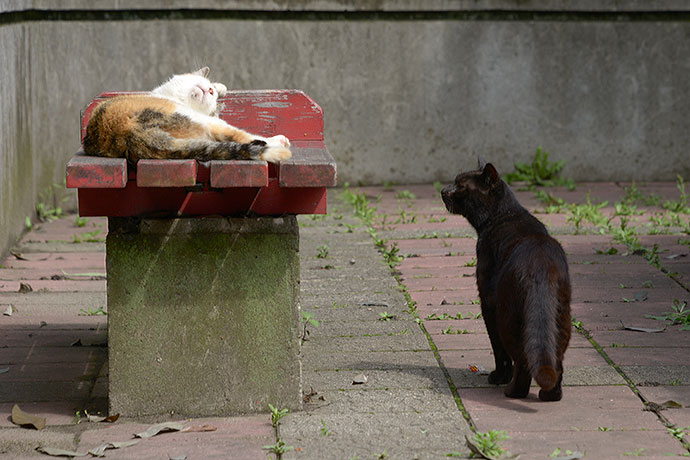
x=542, y=333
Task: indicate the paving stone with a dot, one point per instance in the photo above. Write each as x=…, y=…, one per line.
x=365, y=361
x=407, y=378
x=403, y=341
x=15, y=442
x=406, y=435
x=658, y=375
x=234, y=437
x=656, y=445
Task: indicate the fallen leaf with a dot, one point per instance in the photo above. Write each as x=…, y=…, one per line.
x=76, y=343
x=198, y=429
x=21, y=418
x=475, y=449
x=155, y=429
x=179, y=457
x=670, y=404
x=18, y=255
x=98, y=418
x=8, y=311
x=100, y=450
x=55, y=452
x=570, y=456
x=24, y=288
x=4, y=370
x=360, y=379
x=675, y=256
x=92, y=275
x=641, y=296
x=43, y=324
x=650, y=330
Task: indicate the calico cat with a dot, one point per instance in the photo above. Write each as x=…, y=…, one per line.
x=523, y=281
x=176, y=120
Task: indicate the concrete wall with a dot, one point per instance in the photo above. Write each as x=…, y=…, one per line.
x=412, y=90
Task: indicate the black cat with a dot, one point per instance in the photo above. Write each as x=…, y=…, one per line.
x=524, y=287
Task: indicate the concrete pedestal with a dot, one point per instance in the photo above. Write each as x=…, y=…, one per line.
x=203, y=315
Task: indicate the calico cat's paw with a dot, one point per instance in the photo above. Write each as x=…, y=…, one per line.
x=274, y=154
x=278, y=141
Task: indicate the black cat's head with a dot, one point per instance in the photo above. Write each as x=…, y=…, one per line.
x=474, y=194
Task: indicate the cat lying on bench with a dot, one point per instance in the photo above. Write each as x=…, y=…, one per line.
x=177, y=120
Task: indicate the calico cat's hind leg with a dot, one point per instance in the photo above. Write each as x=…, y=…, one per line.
x=519, y=385
x=556, y=393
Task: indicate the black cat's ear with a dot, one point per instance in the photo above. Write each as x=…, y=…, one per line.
x=481, y=162
x=490, y=175
x=202, y=72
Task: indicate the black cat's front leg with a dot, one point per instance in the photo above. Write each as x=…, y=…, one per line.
x=504, y=365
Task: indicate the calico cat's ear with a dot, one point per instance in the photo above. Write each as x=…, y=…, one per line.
x=202, y=72
x=481, y=162
x=490, y=175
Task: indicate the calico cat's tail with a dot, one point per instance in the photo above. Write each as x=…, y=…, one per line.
x=541, y=333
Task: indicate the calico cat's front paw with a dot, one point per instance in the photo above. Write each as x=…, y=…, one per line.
x=274, y=154
x=278, y=141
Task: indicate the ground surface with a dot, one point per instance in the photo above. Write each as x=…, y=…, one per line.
x=389, y=277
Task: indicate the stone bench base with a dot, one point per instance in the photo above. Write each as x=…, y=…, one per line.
x=203, y=315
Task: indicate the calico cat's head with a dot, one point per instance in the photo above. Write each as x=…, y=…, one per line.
x=474, y=194
x=193, y=90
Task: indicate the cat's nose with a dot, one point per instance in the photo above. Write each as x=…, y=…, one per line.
x=210, y=91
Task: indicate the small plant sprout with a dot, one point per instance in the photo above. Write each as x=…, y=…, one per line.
x=678, y=432
x=80, y=221
x=324, y=429
x=472, y=262
x=322, y=251
x=385, y=316
x=93, y=312
x=307, y=319
x=277, y=414
x=278, y=449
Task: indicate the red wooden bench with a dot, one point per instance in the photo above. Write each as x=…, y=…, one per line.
x=183, y=188
x=186, y=286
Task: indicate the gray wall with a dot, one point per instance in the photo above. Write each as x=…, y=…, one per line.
x=412, y=90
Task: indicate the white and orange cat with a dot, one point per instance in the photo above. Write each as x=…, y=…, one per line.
x=177, y=120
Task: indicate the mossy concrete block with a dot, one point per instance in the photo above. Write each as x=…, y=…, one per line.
x=203, y=315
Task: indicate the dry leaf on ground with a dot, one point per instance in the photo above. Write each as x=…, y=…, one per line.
x=155, y=429
x=55, y=452
x=21, y=418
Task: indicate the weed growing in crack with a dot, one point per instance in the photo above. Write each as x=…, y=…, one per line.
x=680, y=205
x=277, y=414
x=540, y=172
x=278, y=449
x=678, y=316
x=489, y=443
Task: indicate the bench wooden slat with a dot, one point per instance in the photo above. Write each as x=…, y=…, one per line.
x=311, y=165
x=239, y=173
x=96, y=172
x=271, y=200
x=168, y=173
